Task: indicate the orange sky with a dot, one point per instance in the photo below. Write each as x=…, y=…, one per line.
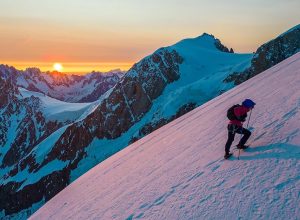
x=73, y=68
x=102, y=35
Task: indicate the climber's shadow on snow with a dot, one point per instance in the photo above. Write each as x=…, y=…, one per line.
x=277, y=150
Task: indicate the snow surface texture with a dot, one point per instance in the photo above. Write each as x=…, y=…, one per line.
x=178, y=171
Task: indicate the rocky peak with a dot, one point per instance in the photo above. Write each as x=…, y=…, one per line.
x=276, y=50
x=8, y=72
x=61, y=86
x=270, y=54
x=222, y=48
x=64, y=79
x=208, y=41
x=217, y=43
x=33, y=71
x=8, y=91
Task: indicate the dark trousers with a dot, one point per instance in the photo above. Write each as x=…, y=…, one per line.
x=232, y=129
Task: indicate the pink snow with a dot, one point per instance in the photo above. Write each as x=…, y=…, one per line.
x=178, y=171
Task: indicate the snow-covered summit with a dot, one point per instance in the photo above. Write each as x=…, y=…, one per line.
x=178, y=171
x=205, y=42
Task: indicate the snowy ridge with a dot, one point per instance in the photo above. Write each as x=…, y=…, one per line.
x=64, y=87
x=290, y=30
x=177, y=172
x=54, y=109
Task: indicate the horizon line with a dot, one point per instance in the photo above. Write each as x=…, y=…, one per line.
x=80, y=68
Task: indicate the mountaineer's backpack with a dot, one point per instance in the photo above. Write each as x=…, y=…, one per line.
x=230, y=113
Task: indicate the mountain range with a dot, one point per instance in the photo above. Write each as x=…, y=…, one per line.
x=61, y=86
x=47, y=142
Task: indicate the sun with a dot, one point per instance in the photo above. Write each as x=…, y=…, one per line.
x=58, y=67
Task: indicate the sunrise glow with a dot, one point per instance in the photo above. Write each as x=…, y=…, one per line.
x=58, y=67
x=105, y=35
x=78, y=68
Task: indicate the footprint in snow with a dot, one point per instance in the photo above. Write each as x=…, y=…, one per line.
x=215, y=168
x=195, y=176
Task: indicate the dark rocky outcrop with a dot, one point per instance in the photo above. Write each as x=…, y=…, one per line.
x=103, y=84
x=31, y=124
x=157, y=123
x=269, y=55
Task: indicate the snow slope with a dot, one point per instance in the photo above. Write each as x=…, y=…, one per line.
x=178, y=171
x=54, y=109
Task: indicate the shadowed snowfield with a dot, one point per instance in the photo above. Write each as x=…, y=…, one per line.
x=178, y=171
